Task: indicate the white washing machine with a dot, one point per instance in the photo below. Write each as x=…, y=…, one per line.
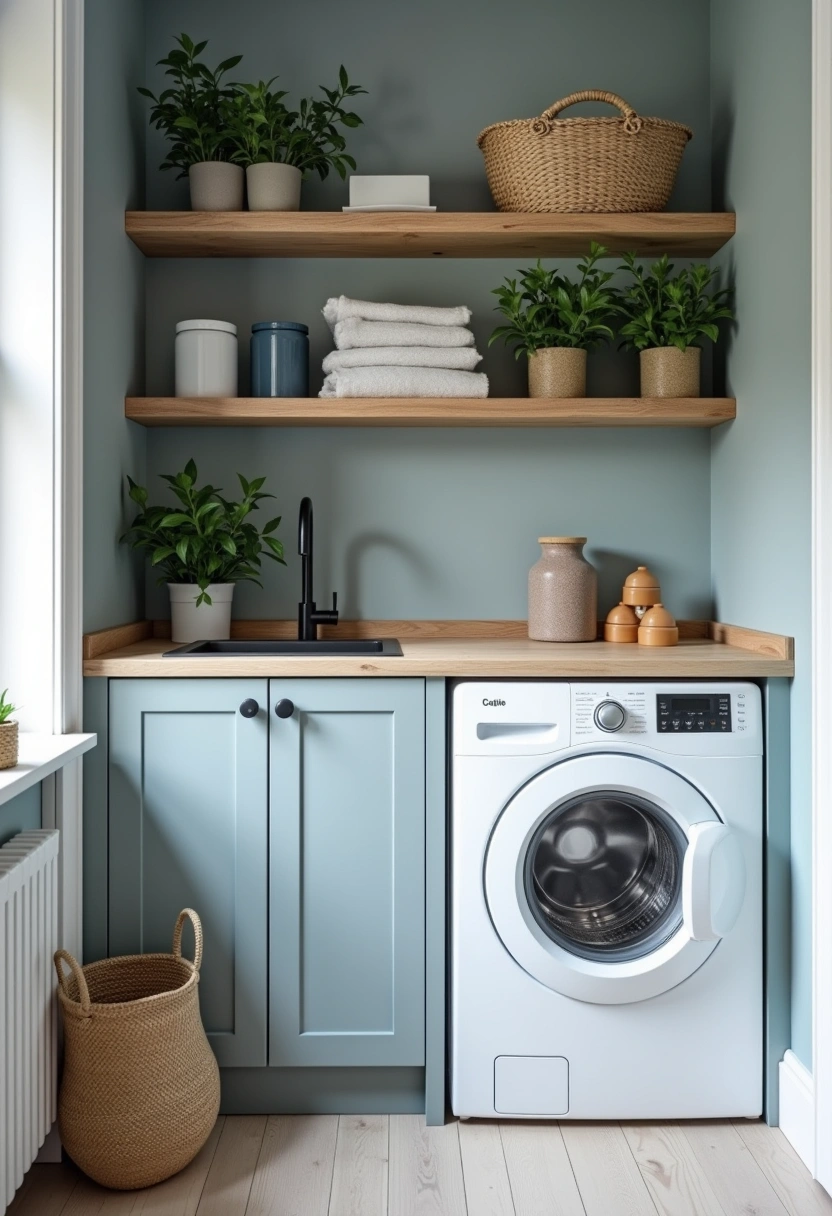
x=606, y=891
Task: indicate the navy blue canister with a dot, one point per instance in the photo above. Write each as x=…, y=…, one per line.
x=279, y=359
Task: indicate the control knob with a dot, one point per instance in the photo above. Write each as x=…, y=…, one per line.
x=610, y=716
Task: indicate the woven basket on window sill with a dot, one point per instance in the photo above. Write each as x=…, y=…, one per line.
x=8, y=744
x=604, y=165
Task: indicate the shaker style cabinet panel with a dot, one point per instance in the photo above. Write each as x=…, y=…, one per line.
x=347, y=872
x=188, y=826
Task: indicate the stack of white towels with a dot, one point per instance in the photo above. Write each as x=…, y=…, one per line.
x=400, y=350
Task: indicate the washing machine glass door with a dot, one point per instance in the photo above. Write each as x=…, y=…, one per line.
x=601, y=877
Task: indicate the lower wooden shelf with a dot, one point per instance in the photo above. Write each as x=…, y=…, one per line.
x=431, y=411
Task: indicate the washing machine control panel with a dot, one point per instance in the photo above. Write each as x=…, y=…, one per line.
x=696, y=713
x=600, y=710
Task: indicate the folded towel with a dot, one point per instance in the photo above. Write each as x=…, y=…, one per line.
x=355, y=332
x=342, y=307
x=463, y=358
x=404, y=382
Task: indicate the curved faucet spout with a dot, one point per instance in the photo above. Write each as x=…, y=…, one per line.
x=305, y=528
x=309, y=615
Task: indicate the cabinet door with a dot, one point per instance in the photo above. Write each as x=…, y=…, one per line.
x=188, y=828
x=347, y=873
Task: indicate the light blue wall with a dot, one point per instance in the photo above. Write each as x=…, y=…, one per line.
x=441, y=523
x=113, y=303
x=21, y=814
x=761, y=509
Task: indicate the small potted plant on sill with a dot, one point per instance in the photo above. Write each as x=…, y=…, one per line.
x=203, y=548
x=666, y=316
x=194, y=113
x=9, y=738
x=554, y=321
x=278, y=146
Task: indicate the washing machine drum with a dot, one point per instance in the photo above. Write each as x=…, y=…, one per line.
x=611, y=879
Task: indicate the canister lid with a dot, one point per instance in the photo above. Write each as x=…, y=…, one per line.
x=258, y=325
x=225, y=327
x=622, y=614
x=561, y=540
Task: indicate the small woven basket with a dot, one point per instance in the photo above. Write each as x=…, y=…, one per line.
x=140, y=1090
x=9, y=740
x=583, y=164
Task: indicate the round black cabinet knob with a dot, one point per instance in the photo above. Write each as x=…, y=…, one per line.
x=250, y=708
x=284, y=708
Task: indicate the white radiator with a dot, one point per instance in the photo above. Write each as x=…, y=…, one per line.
x=28, y=1015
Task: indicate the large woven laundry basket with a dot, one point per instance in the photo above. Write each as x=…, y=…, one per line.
x=628, y=163
x=141, y=1089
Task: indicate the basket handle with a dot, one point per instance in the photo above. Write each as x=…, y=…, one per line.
x=632, y=122
x=63, y=956
x=188, y=914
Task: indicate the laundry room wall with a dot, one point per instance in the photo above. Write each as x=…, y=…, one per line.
x=113, y=303
x=440, y=523
x=761, y=478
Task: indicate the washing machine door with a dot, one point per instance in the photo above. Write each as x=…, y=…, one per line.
x=609, y=878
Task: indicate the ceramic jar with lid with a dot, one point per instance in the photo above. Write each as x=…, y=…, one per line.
x=563, y=592
x=279, y=359
x=206, y=358
x=641, y=590
x=621, y=624
x=658, y=628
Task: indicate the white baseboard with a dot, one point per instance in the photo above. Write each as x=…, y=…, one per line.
x=797, y=1108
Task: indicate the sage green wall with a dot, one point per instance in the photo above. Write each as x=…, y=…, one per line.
x=761, y=464
x=20, y=814
x=441, y=523
x=113, y=302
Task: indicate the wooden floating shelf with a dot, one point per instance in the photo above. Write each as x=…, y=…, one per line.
x=450, y=234
x=431, y=411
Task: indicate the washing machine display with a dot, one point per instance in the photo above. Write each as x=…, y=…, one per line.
x=606, y=900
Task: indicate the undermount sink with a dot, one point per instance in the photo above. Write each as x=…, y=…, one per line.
x=331, y=646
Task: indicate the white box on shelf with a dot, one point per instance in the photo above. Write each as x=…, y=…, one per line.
x=390, y=190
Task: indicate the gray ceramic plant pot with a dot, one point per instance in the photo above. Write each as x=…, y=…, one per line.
x=667, y=371
x=216, y=186
x=557, y=371
x=273, y=187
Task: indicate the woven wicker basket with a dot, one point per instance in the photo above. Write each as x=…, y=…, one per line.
x=140, y=1090
x=9, y=739
x=583, y=164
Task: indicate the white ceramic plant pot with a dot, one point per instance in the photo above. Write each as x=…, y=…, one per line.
x=273, y=187
x=208, y=622
x=216, y=186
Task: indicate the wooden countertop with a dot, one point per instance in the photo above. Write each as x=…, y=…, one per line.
x=760, y=654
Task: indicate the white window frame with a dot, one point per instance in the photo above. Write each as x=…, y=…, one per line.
x=41, y=397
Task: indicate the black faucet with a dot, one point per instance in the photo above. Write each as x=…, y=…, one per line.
x=309, y=617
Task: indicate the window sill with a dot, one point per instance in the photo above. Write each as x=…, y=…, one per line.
x=40, y=756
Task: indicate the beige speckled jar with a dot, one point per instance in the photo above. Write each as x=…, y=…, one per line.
x=667, y=371
x=563, y=592
x=557, y=371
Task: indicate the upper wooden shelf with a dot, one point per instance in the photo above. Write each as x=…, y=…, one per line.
x=450, y=234
x=430, y=411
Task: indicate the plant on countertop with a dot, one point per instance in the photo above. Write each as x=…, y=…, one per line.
x=547, y=309
x=208, y=539
x=663, y=309
x=264, y=130
x=6, y=707
x=194, y=112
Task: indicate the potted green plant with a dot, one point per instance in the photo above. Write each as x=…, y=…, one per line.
x=667, y=315
x=203, y=548
x=279, y=147
x=554, y=320
x=194, y=113
x=9, y=739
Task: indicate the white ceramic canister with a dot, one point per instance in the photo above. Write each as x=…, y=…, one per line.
x=206, y=359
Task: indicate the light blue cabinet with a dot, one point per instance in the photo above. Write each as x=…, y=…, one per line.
x=299, y=840
x=188, y=826
x=347, y=873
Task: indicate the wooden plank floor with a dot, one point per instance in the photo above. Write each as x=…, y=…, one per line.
x=379, y=1165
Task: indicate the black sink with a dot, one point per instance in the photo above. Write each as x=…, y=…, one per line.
x=239, y=647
